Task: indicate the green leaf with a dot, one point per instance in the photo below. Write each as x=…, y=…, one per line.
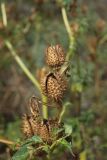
x=66, y=144
x=24, y=151
x=68, y=129
x=46, y=149
x=34, y=139
x=56, y=131
x=21, y=154
x=59, y=130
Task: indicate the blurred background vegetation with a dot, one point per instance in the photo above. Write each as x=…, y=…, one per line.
x=33, y=25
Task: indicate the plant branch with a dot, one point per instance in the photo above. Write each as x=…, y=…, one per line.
x=4, y=16
x=62, y=112
x=57, y=141
x=28, y=74
x=44, y=108
x=22, y=65
x=8, y=142
x=70, y=34
x=66, y=22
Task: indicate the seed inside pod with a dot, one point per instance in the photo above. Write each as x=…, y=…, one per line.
x=55, y=56
x=54, y=86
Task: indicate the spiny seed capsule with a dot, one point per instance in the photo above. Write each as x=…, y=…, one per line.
x=26, y=126
x=34, y=125
x=44, y=129
x=54, y=125
x=55, y=56
x=47, y=130
x=54, y=86
x=44, y=133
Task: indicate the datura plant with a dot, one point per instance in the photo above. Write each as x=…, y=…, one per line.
x=43, y=136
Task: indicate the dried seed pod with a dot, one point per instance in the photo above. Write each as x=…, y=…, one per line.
x=47, y=130
x=41, y=72
x=53, y=127
x=54, y=86
x=44, y=133
x=55, y=56
x=53, y=123
x=34, y=107
x=35, y=118
x=35, y=125
x=26, y=126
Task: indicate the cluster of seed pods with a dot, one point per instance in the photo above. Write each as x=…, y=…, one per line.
x=54, y=84
x=34, y=124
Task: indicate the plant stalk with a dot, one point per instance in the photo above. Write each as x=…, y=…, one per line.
x=70, y=34
x=3, y=12
x=29, y=75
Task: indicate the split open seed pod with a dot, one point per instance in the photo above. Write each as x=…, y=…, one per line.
x=54, y=86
